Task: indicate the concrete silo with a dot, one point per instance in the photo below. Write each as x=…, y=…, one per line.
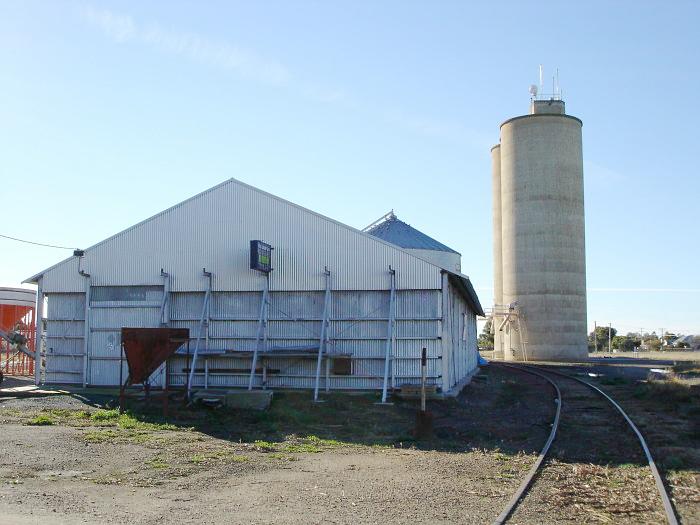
x=543, y=263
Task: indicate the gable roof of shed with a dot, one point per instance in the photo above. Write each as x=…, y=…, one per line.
x=467, y=290
x=33, y=278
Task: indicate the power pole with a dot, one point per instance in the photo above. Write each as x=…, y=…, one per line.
x=662, y=339
x=641, y=338
x=595, y=336
x=610, y=338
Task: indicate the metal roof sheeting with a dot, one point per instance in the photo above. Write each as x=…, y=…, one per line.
x=404, y=235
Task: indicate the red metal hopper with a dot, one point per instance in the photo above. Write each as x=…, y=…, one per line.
x=147, y=348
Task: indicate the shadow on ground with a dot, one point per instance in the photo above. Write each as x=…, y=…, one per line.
x=497, y=411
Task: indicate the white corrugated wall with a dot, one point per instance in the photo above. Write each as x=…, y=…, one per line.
x=358, y=328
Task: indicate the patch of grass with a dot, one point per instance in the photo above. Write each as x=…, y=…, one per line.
x=105, y=415
x=100, y=436
x=116, y=435
x=157, y=462
x=330, y=443
x=282, y=457
x=612, y=381
x=82, y=414
x=129, y=421
x=264, y=446
x=500, y=456
x=198, y=458
x=301, y=448
x=41, y=420
x=690, y=369
x=669, y=394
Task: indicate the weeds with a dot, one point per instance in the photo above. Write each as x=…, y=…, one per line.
x=41, y=420
x=157, y=463
x=282, y=457
x=302, y=447
x=264, y=446
x=669, y=394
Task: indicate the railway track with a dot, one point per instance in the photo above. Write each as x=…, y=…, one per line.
x=600, y=418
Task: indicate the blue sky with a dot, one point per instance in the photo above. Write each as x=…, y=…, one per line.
x=111, y=112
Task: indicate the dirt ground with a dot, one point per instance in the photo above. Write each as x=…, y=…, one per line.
x=69, y=459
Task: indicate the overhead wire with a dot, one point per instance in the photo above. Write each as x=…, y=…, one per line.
x=37, y=243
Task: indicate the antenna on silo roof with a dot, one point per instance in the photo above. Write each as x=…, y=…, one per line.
x=533, y=91
x=541, y=78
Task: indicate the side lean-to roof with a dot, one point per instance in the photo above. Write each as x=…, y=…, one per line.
x=212, y=230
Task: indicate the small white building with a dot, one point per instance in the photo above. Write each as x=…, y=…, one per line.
x=340, y=308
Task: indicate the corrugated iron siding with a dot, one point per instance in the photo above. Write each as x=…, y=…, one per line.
x=461, y=330
x=358, y=328
x=213, y=230
x=64, y=338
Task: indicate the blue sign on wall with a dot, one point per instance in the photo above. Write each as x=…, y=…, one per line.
x=260, y=256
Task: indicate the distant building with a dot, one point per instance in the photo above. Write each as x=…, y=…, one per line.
x=367, y=302
x=693, y=341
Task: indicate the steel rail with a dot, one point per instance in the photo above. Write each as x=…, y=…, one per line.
x=513, y=502
x=668, y=507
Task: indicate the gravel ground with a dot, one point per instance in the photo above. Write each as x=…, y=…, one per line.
x=83, y=469
x=74, y=472
x=63, y=478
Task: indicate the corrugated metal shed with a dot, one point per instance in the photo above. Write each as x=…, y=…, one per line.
x=122, y=281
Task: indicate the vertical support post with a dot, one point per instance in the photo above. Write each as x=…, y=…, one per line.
x=522, y=335
x=207, y=320
x=595, y=336
x=193, y=365
x=423, y=373
x=166, y=389
x=388, y=354
x=446, y=343
x=86, y=331
x=206, y=373
x=165, y=301
x=262, y=330
x=324, y=332
x=121, y=378
x=39, y=327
